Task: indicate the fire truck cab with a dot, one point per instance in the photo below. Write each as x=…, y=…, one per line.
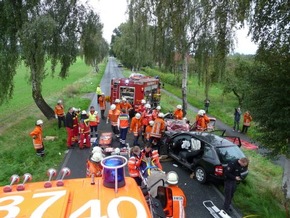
x=135, y=88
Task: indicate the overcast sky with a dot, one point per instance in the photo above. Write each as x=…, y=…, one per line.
x=112, y=14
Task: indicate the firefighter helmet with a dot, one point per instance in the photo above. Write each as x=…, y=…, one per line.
x=97, y=157
x=158, y=108
x=148, y=106
x=138, y=116
x=161, y=115
x=117, y=101
x=84, y=112
x=172, y=178
x=143, y=101
x=124, y=99
x=39, y=122
x=59, y=101
x=113, y=107
x=201, y=112
x=179, y=107
x=151, y=122
x=97, y=149
x=96, y=113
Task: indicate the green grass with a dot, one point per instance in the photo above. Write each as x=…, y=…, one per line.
x=17, y=153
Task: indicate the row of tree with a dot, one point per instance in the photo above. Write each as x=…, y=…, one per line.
x=164, y=32
x=37, y=31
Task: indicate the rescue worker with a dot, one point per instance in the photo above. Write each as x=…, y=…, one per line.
x=123, y=125
x=134, y=164
x=126, y=105
x=59, y=113
x=147, y=152
x=178, y=114
x=117, y=103
x=84, y=131
x=201, y=121
x=247, y=122
x=232, y=176
x=98, y=92
x=94, y=121
x=148, y=131
x=155, y=112
x=136, y=128
x=141, y=108
x=37, y=141
x=179, y=198
x=75, y=125
x=158, y=129
x=113, y=116
x=69, y=128
x=94, y=167
x=102, y=102
x=146, y=118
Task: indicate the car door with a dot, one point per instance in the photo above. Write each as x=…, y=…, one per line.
x=209, y=159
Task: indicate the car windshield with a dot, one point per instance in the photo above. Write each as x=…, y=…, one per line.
x=229, y=153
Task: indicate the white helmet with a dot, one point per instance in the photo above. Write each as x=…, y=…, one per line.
x=138, y=116
x=148, y=106
x=143, y=101
x=97, y=157
x=179, y=107
x=39, y=122
x=172, y=178
x=96, y=113
x=97, y=149
x=158, y=108
x=151, y=122
x=59, y=101
x=161, y=115
x=200, y=112
x=124, y=99
x=84, y=112
x=113, y=107
x=74, y=109
x=117, y=100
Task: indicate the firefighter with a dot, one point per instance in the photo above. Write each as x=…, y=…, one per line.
x=98, y=92
x=148, y=131
x=146, y=118
x=141, y=108
x=75, y=125
x=84, y=131
x=201, y=121
x=148, y=152
x=59, y=113
x=117, y=103
x=136, y=128
x=113, y=116
x=179, y=198
x=69, y=127
x=178, y=114
x=158, y=129
x=36, y=135
x=123, y=125
x=94, y=167
x=102, y=102
x=155, y=112
x=126, y=105
x=134, y=164
x=94, y=121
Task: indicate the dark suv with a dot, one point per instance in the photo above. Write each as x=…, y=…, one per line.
x=204, y=153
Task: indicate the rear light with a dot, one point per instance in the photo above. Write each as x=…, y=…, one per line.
x=218, y=170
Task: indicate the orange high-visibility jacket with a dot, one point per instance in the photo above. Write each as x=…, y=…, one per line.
x=178, y=114
x=94, y=120
x=155, y=114
x=126, y=106
x=148, y=132
x=94, y=168
x=113, y=116
x=59, y=110
x=36, y=134
x=84, y=128
x=179, y=201
x=247, y=119
x=146, y=117
x=102, y=102
x=158, y=128
x=201, y=123
x=133, y=165
x=118, y=106
x=135, y=126
x=123, y=121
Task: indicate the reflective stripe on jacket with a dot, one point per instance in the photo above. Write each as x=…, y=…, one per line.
x=158, y=128
x=94, y=120
x=36, y=134
x=59, y=110
x=123, y=121
x=113, y=117
x=135, y=126
x=133, y=165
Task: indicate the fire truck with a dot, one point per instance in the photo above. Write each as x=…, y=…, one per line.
x=135, y=88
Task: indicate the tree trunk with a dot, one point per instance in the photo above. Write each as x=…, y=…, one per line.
x=184, y=85
x=40, y=102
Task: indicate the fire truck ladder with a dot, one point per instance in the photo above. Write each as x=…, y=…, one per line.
x=115, y=88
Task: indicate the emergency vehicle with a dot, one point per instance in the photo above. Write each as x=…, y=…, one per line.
x=135, y=88
x=112, y=195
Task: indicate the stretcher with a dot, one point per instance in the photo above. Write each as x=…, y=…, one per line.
x=214, y=210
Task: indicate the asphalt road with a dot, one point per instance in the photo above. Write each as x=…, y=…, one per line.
x=196, y=193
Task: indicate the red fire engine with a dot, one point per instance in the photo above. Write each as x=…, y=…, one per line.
x=135, y=88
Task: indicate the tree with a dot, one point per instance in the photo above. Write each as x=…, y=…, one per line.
x=40, y=31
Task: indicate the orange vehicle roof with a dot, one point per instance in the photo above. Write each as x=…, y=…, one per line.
x=76, y=198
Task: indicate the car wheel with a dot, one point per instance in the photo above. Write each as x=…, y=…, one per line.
x=200, y=175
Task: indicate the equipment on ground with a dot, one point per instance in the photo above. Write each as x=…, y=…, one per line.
x=214, y=210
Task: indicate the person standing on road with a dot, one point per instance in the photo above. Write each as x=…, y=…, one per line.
x=113, y=117
x=94, y=121
x=94, y=166
x=36, y=135
x=206, y=104
x=59, y=113
x=146, y=116
x=232, y=176
x=134, y=163
x=136, y=128
x=158, y=129
x=178, y=114
x=98, y=92
x=179, y=198
x=155, y=112
x=123, y=124
x=237, y=118
x=84, y=131
x=247, y=122
x=201, y=120
x=102, y=102
x=69, y=127
x=126, y=105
